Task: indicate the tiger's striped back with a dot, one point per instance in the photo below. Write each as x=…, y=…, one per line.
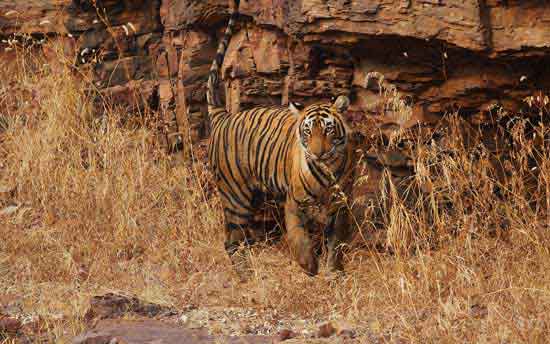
x=249, y=152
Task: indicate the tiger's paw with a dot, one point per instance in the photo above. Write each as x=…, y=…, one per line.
x=310, y=265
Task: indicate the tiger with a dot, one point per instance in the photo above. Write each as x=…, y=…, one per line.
x=279, y=153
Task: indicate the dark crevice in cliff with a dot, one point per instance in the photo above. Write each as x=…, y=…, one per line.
x=486, y=25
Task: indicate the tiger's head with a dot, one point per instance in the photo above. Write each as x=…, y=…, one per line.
x=322, y=130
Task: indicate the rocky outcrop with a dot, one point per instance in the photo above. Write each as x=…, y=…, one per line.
x=114, y=318
x=151, y=331
x=441, y=55
x=465, y=55
x=105, y=313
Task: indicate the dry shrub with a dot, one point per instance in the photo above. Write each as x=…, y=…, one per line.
x=465, y=179
x=98, y=199
x=100, y=206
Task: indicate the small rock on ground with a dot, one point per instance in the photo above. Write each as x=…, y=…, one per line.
x=326, y=330
x=111, y=306
x=9, y=326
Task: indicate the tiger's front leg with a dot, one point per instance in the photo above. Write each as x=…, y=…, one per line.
x=303, y=247
x=337, y=233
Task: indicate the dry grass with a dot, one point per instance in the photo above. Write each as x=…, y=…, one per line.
x=101, y=207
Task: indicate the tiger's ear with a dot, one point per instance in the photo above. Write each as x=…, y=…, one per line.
x=341, y=104
x=293, y=109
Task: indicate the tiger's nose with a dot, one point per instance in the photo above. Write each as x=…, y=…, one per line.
x=326, y=155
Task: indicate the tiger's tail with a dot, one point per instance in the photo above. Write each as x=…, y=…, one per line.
x=213, y=95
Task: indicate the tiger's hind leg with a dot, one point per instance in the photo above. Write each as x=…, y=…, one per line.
x=237, y=243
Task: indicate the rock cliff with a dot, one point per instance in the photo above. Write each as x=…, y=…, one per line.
x=440, y=54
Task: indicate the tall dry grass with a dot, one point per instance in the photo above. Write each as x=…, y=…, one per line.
x=97, y=205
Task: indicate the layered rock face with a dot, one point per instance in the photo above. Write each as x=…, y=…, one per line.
x=441, y=55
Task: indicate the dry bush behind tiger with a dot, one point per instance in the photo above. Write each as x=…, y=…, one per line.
x=484, y=178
